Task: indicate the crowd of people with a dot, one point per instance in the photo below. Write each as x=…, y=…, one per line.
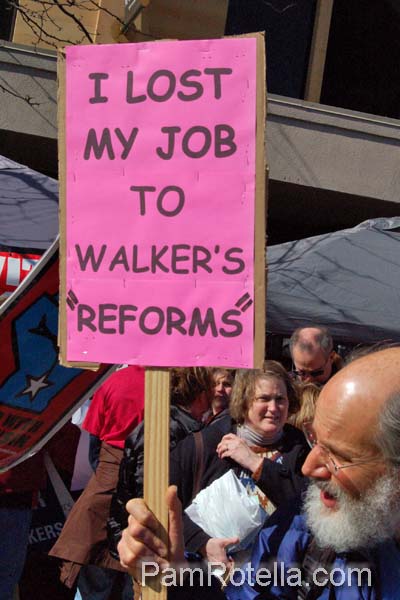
x=314, y=451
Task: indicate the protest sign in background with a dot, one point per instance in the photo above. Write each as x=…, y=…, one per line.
x=158, y=203
x=37, y=394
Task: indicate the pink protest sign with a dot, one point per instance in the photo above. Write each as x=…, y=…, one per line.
x=160, y=197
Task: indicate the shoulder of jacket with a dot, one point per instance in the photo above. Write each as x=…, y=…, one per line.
x=135, y=435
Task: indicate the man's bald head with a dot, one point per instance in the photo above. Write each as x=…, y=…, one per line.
x=310, y=339
x=311, y=349
x=367, y=393
x=387, y=369
x=353, y=500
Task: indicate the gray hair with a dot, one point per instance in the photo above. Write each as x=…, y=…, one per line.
x=323, y=339
x=388, y=433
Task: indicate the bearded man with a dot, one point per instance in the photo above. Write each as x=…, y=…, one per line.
x=342, y=542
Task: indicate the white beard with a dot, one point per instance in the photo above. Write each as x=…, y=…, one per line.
x=354, y=524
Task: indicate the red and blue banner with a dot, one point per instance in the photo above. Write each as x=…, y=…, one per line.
x=37, y=394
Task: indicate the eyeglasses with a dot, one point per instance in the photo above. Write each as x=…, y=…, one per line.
x=330, y=462
x=315, y=373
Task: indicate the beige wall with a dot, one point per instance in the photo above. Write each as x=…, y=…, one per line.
x=179, y=19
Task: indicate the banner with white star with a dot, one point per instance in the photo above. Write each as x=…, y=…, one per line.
x=37, y=394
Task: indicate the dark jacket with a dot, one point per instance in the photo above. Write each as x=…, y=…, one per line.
x=279, y=481
x=130, y=479
x=219, y=418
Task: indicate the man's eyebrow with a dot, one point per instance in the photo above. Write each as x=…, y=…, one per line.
x=338, y=451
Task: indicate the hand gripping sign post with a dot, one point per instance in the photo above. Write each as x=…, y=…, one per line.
x=163, y=214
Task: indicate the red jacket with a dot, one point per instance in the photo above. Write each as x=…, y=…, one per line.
x=117, y=406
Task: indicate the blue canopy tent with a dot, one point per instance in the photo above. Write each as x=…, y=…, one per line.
x=28, y=208
x=348, y=281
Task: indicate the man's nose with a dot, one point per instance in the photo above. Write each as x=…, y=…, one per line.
x=306, y=377
x=315, y=465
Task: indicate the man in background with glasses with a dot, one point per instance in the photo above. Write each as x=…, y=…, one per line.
x=343, y=536
x=313, y=357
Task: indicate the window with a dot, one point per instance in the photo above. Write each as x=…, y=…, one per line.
x=288, y=26
x=7, y=18
x=362, y=69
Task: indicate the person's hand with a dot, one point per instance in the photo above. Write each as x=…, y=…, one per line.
x=215, y=550
x=234, y=447
x=140, y=543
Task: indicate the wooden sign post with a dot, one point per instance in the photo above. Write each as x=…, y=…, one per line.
x=163, y=215
x=156, y=458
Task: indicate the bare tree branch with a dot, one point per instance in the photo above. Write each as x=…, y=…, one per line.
x=27, y=99
x=40, y=32
x=103, y=8
x=42, y=20
x=76, y=20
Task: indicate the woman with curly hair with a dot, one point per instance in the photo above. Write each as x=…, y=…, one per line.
x=255, y=441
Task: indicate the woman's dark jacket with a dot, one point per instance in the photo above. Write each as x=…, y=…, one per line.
x=130, y=478
x=280, y=480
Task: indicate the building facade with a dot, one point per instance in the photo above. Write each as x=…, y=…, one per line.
x=333, y=85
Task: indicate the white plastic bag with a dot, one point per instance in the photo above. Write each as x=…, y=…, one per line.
x=224, y=509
